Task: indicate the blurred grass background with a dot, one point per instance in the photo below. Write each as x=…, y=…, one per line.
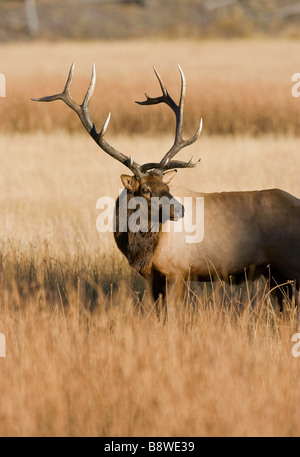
x=236, y=86
x=126, y=19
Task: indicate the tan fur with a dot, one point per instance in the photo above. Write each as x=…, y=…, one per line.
x=241, y=230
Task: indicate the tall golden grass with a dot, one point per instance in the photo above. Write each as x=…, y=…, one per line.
x=85, y=353
x=237, y=87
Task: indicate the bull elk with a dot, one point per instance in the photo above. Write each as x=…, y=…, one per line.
x=256, y=231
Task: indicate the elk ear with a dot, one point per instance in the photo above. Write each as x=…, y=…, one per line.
x=129, y=182
x=168, y=176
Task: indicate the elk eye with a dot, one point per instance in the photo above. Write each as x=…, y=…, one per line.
x=145, y=190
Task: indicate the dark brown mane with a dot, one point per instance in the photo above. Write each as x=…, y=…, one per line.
x=138, y=247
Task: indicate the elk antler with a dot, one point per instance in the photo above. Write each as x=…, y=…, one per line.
x=139, y=170
x=166, y=163
x=83, y=113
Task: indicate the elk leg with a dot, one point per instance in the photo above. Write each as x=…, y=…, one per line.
x=175, y=288
x=159, y=291
x=156, y=286
x=279, y=293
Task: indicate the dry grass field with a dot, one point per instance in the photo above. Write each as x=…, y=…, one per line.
x=85, y=354
x=241, y=87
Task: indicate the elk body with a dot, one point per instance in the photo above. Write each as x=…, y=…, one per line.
x=255, y=231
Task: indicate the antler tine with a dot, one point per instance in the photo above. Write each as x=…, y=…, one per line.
x=66, y=90
x=83, y=113
x=91, y=87
x=66, y=97
x=161, y=83
x=179, y=142
x=164, y=98
x=169, y=165
x=179, y=126
x=178, y=164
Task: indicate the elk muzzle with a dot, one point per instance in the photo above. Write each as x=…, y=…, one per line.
x=166, y=208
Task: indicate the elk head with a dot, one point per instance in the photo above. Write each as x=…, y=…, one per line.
x=150, y=179
x=153, y=190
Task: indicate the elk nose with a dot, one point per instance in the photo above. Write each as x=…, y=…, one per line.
x=178, y=212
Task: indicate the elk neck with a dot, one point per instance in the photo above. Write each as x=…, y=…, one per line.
x=139, y=246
